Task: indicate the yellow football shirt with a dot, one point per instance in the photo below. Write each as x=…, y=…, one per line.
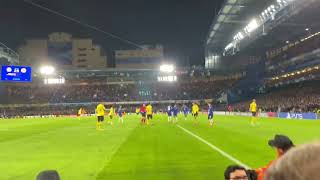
x=253, y=107
x=112, y=111
x=80, y=111
x=149, y=110
x=195, y=109
x=100, y=110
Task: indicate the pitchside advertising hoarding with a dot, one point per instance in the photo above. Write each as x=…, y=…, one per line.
x=16, y=73
x=287, y=115
x=284, y=115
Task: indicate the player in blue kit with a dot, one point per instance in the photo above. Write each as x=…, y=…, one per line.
x=210, y=114
x=120, y=114
x=175, y=111
x=169, y=111
x=185, y=111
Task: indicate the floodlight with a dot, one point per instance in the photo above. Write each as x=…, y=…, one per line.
x=229, y=46
x=307, y=29
x=252, y=26
x=47, y=70
x=166, y=78
x=59, y=80
x=239, y=36
x=168, y=68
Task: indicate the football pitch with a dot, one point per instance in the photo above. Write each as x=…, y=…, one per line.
x=130, y=151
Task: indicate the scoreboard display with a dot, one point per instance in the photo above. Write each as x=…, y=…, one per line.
x=16, y=73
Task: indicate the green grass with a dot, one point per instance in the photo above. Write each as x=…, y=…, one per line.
x=131, y=151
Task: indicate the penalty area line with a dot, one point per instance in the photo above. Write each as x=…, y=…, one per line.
x=215, y=148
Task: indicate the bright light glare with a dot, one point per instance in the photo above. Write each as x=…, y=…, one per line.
x=238, y=37
x=47, y=70
x=167, y=78
x=229, y=46
x=167, y=68
x=54, y=81
x=251, y=26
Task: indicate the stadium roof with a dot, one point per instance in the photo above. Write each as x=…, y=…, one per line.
x=233, y=15
x=298, y=24
x=10, y=55
x=286, y=25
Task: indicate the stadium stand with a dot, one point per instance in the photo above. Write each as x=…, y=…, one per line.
x=114, y=93
x=38, y=98
x=298, y=97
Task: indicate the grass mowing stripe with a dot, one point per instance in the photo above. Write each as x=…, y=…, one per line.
x=18, y=132
x=76, y=151
x=214, y=148
x=107, y=160
x=160, y=151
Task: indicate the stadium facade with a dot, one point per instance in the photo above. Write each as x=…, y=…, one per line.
x=274, y=42
x=148, y=57
x=63, y=50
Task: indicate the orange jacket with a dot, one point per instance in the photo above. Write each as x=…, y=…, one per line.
x=262, y=171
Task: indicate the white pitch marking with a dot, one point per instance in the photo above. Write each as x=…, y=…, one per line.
x=215, y=148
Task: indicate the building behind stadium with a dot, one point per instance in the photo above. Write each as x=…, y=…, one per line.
x=147, y=57
x=63, y=50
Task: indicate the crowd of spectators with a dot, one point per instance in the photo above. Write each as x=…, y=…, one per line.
x=295, y=48
x=33, y=100
x=72, y=110
x=301, y=97
x=297, y=55
x=115, y=92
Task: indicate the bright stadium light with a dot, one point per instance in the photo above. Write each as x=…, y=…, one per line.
x=171, y=78
x=47, y=70
x=168, y=68
x=229, y=46
x=238, y=37
x=59, y=80
x=251, y=26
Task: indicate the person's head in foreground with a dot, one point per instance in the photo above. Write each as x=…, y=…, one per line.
x=300, y=163
x=235, y=172
x=281, y=143
x=253, y=100
x=48, y=175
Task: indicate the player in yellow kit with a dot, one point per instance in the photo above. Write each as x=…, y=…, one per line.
x=149, y=113
x=100, y=110
x=195, y=112
x=137, y=111
x=253, y=110
x=111, y=115
x=79, y=113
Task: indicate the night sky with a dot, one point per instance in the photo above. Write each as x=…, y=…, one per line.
x=180, y=26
